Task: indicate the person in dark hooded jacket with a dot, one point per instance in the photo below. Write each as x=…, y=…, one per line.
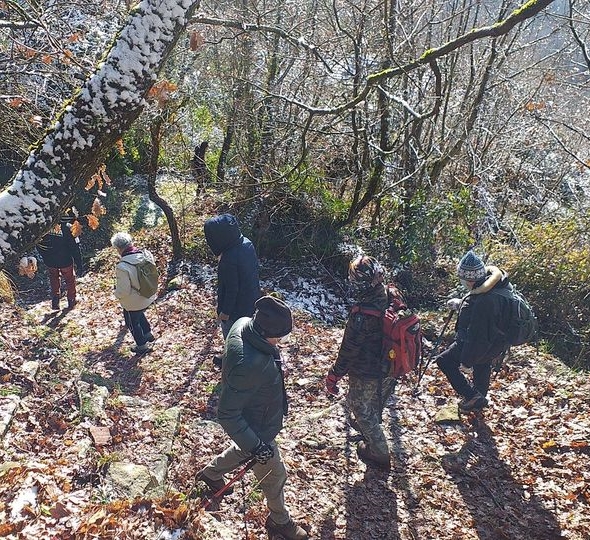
x=238, y=285
x=480, y=332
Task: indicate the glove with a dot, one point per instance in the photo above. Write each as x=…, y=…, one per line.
x=332, y=383
x=454, y=304
x=263, y=452
x=80, y=272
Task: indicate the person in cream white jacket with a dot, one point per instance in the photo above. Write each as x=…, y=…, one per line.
x=127, y=292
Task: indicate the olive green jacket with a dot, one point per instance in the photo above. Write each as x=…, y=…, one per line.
x=253, y=400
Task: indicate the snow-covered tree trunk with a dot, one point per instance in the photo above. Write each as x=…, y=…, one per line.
x=110, y=100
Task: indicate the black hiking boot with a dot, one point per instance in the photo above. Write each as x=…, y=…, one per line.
x=142, y=349
x=289, y=530
x=476, y=403
x=383, y=461
x=55, y=303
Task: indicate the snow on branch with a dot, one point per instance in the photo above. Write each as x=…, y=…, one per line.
x=78, y=142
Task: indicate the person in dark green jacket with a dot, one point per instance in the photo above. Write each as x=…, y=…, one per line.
x=251, y=408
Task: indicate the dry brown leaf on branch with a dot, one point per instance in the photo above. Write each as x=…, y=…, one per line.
x=99, y=178
x=92, y=221
x=120, y=148
x=76, y=229
x=161, y=92
x=16, y=102
x=97, y=208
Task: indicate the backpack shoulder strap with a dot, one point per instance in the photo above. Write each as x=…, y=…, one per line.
x=506, y=292
x=130, y=273
x=367, y=310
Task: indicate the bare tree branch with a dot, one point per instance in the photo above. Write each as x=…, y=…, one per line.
x=251, y=27
x=579, y=41
x=527, y=11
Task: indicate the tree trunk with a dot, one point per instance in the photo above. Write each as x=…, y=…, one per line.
x=156, y=132
x=87, y=129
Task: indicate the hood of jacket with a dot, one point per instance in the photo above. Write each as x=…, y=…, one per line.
x=133, y=258
x=222, y=232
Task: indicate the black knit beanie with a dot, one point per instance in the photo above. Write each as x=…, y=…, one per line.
x=272, y=317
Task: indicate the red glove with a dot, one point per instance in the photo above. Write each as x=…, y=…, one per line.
x=332, y=383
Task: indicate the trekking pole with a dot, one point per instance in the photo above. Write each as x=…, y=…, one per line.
x=423, y=369
x=216, y=497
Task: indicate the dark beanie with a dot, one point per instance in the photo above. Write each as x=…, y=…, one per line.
x=272, y=317
x=471, y=267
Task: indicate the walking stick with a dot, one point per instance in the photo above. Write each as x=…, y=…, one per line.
x=218, y=495
x=425, y=365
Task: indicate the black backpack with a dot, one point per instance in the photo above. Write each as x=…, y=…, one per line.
x=523, y=326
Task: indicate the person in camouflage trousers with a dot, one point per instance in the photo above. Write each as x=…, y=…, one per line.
x=359, y=357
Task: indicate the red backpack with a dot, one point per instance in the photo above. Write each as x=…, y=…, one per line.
x=402, y=335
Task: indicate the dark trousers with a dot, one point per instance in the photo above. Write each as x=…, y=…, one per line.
x=226, y=326
x=55, y=275
x=138, y=325
x=449, y=363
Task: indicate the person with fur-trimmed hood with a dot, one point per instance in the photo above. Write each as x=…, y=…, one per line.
x=480, y=331
x=238, y=283
x=359, y=357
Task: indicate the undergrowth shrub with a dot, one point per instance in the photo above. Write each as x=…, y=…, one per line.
x=551, y=265
x=6, y=288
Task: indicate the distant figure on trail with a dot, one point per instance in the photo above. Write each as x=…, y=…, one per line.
x=251, y=407
x=60, y=251
x=128, y=291
x=359, y=357
x=238, y=285
x=480, y=332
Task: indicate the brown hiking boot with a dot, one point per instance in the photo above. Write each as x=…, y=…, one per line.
x=289, y=530
x=383, y=461
x=213, y=485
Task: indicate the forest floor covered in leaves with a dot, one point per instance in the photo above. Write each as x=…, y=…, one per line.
x=521, y=470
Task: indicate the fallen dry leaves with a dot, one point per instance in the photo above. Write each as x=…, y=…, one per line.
x=520, y=471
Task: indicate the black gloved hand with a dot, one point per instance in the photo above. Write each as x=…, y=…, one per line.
x=263, y=452
x=80, y=272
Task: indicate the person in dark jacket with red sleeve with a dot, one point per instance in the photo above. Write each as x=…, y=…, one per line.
x=359, y=357
x=480, y=332
x=60, y=251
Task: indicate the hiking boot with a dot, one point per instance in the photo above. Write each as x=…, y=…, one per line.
x=217, y=361
x=213, y=485
x=142, y=349
x=289, y=530
x=476, y=403
x=383, y=461
x=71, y=303
x=55, y=302
x=149, y=337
